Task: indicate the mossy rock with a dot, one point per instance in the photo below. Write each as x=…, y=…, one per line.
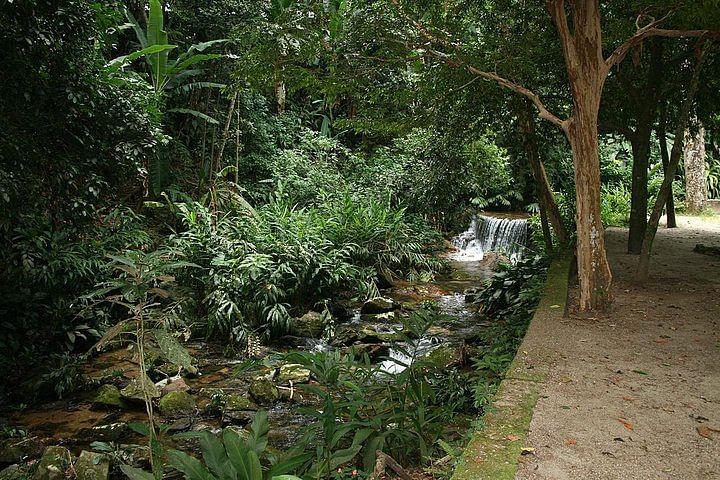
x=379, y=305
x=445, y=356
x=53, y=464
x=108, y=396
x=239, y=402
x=370, y=335
x=134, y=390
x=176, y=404
x=92, y=466
x=293, y=372
x=14, y=472
x=264, y=391
x=312, y=325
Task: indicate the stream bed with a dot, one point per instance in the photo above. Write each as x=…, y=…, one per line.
x=223, y=396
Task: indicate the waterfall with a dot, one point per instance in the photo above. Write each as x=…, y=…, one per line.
x=486, y=234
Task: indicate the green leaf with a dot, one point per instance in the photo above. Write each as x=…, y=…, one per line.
x=244, y=460
x=135, y=473
x=289, y=463
x=190, y=466
x=343, y=456
x=195, y=113
x=258, y=432
x=117, y=63
x=215, y=457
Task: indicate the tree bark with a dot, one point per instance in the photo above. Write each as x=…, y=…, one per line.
x=223, y=141
x=694, y=158
x=587, y=71
x=549, y=210
x=683, y=117
x=645, y=112
x=662, y=138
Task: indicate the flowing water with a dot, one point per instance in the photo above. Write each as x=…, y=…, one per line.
x=461, y=323
x=488, y=233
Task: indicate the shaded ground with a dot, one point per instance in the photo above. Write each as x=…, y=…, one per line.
x=635, y=394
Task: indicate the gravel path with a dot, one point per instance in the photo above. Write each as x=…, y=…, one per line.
x=635, y=393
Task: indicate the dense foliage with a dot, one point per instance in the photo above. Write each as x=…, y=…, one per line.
x=219, y=169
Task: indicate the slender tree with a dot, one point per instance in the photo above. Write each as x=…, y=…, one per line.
x=578, y=23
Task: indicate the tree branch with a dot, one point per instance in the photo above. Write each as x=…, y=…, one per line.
x=652, y=30
x=544, y=113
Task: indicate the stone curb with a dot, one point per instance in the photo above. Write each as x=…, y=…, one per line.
x=494, y=451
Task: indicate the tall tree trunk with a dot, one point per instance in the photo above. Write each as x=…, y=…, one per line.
x=223, y=141
x=548, y=207
x=280, y=95
x=683, y=117
x=639, y=190
x=694, y=158
x=587, y=71
x=645, y=112
x=662, y=137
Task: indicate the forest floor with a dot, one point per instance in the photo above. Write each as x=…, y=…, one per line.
x=635, y=393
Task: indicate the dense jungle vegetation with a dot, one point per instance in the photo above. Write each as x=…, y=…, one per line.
x=220, y=169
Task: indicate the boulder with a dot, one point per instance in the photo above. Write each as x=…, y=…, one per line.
x=239, y=402
x=293, y=372
x=110, y=432
x=92, y=466
x=379, y=305
x=381, y=317
x=13, y=472
x=239, y=410
x=134, y=390
x=263, y=390
x=107, y=396
x=18, y=449
x=312, y=324
x=177, y=404
x=446, y=356
x=491, y=260
x=176, y=385
x=470, y=294
x=53, y=464
x=372, y=334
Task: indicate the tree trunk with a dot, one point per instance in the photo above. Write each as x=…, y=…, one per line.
x=644, y=265
x=646, y=105
x=694, y=158
x=280, y=95
x=548, y=207
x=587, y=71
x=593, y=268
x=223, y=141
x=662, y=137
x=639, y=196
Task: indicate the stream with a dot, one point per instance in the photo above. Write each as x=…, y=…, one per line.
x=221, y=395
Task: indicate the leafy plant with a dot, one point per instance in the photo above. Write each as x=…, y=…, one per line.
x=230, y=458
x=143, y=286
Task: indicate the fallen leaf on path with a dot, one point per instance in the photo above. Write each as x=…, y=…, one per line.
x=626, y=423
x=629, y=399
x=662, y=340
x=570, y=442
x=527, y=451
x=706, y=431
x=513, y=438
x=640, y=372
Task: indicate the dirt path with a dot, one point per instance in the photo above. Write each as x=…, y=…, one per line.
x=634, y=393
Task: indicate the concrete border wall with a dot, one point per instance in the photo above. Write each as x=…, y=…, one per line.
x=494, y=451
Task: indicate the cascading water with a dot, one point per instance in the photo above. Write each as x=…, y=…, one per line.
x=486, y=234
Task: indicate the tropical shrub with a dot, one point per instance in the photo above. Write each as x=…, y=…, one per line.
x=615, y=206
x=267, y=265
